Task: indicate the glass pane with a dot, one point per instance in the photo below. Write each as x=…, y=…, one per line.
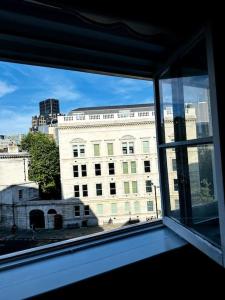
x=125, y=167
x=203, y=202
x=133, y=167
x=191, y=189
x=126, y=188
x=96, y=150
x=134, y=187
x=173, y=188
x=146, y=147
x=185, y=102
x=110, y=148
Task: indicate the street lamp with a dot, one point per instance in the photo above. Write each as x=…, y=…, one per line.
x=156, y=204
x=156, y=201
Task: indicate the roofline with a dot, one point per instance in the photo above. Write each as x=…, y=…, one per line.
x=114, y=107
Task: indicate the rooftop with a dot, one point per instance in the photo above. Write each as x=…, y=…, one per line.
x=113, y=108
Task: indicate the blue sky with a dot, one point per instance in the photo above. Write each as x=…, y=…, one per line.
x=23, y=86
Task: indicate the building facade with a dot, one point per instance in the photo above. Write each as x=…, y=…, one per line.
x=108, y=161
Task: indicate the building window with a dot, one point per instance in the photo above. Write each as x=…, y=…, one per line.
x=137, y=206
x=113, y=208
x=147, y=166
x=76, y=191
x=96, y=150
x=149, y=205
x=125, y=167
x=128, y=147
x=177, y=204
x=134, y=187
x=86, y=210
x=148, y=185
x=126, y=188
x=175, y=185
x=77, y=210
x=111, y=169
x=75, y=171
x=133, y=167
x=20, y=192
x=97, y=169
x=85, y=190
x=99, y=189
x=174, y=164
x=84, y=170
x=127, y=207
x=112, y=188
x=78, y=150
x=100, y=209
x=145, y=145
x=110, y=148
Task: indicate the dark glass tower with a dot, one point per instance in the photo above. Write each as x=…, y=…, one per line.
x=49, y=107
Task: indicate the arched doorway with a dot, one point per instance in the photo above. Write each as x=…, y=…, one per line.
x=37, y=218
x=58, y=221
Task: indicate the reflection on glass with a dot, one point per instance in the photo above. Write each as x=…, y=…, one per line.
x=203, y=202
x=173, y=186
x=185, y=108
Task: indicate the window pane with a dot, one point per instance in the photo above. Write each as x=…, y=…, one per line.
x=127, y=207
x=149, y=205
x=133, y=167
x=112, y=188
x=85, y=190
x=134, y=187
x=86, y=210
x=84, y=170
x=100, y=209
x=110, y=148
x=111, y=169
x=196, y=191
x=75, y=171
x=97, y=169
x=77, y=211
x=99, y=189
x=96, y=149
x=137, y=206
x=82, y=150
x=126, y=188
x=185, y=107
x=131, y=147
x=148, y=184
x=125, y=167
x=76, y=191
x=147, y=166
x=124, y=148
x=145, y=145
x=113, y=208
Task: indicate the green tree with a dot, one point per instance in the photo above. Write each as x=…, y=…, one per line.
x=44, y=163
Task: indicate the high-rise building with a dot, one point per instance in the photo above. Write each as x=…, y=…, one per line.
x=49, y=111
x=49, y=107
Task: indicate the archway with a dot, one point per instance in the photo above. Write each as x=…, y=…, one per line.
x=58, y=221
x=37, y=218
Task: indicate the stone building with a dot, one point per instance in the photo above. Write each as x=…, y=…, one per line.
x=108, y=161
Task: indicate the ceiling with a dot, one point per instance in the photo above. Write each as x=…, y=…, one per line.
x=132, y=41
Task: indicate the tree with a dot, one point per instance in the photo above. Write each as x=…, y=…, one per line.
x=44, y=163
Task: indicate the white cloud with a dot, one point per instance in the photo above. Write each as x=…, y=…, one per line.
x=6, y=88
x=128, y=87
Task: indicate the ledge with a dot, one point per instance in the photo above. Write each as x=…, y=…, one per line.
x=37, y=277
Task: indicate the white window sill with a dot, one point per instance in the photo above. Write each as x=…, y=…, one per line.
x=37, y=277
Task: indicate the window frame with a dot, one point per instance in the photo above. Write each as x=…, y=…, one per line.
x=98, y=171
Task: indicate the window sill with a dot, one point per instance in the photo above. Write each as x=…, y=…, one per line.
x=45, y=272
